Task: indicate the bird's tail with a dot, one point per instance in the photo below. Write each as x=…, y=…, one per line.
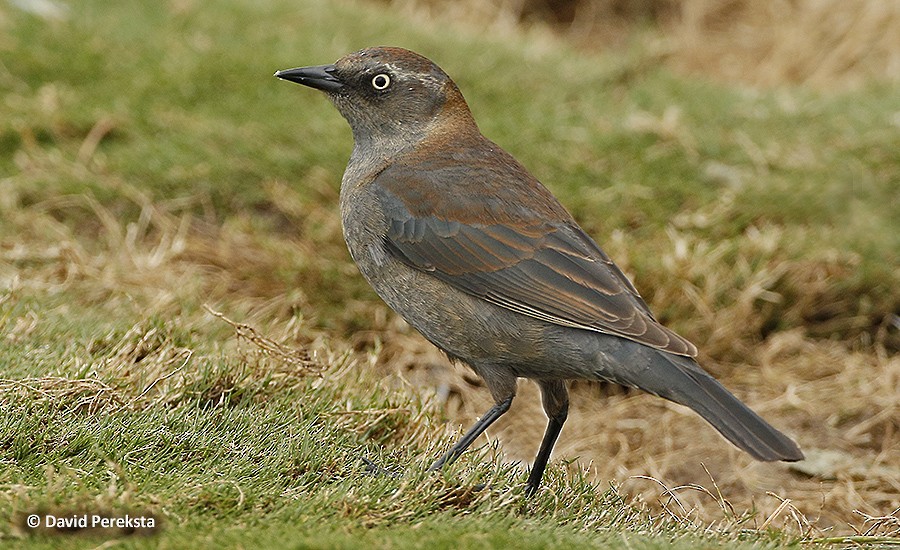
x=682, y=380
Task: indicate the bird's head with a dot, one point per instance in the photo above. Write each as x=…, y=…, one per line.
x=388, y=94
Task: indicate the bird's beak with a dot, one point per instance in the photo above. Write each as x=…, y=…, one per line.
x=320, y=77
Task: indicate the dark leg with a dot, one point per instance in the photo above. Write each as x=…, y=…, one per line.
x=556, y=405
x=482, y=424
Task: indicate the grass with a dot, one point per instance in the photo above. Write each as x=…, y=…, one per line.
x=157, y=183
x=260, y=452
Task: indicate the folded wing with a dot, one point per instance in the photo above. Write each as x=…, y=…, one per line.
x=549, y=270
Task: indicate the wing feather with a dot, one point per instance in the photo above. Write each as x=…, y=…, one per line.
x=537, y=263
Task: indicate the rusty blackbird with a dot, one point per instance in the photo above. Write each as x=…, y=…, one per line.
x=476, y=254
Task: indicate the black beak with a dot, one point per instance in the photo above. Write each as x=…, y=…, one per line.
x=320, y=77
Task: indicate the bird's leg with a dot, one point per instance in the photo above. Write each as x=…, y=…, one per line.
x=477, y=429
x=556, y=404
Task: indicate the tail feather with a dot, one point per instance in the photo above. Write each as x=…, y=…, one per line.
x=683, y=381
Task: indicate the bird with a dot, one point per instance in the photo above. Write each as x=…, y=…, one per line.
x=471, y=250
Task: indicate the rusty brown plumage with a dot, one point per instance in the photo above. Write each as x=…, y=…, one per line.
x=476, y=254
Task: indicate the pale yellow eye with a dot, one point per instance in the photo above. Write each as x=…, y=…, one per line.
x=381, y=82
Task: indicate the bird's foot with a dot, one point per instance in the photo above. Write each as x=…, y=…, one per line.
x=374, y=469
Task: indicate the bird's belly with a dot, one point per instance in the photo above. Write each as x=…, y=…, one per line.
x=449, y=318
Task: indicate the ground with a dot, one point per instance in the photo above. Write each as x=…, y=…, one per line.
x=184, y=336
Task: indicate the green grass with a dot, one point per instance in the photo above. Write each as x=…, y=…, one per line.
x=229, y=456
x=214, y=183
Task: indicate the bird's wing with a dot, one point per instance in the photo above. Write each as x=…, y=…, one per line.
x=549, y=270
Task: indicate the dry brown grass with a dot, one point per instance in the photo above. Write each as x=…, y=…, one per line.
x=822, y=43
x=841, y=406
x=828, y=44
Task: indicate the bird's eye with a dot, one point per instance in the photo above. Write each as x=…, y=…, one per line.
x=381, y=82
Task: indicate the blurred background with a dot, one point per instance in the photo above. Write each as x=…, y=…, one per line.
x=740, y=160
x=820, y=43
